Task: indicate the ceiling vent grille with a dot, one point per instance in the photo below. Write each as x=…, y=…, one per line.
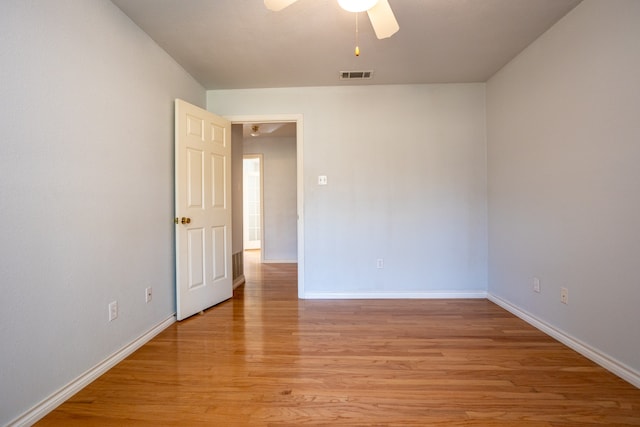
x=355, y=75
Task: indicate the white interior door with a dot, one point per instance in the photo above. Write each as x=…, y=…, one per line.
x=203, y=209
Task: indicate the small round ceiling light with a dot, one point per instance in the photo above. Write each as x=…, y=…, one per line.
x=357, y=5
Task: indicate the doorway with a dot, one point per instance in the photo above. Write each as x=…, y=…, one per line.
x=296, y=119
x=252, y=206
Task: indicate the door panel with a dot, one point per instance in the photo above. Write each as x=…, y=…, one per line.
x=218, y=184
x=195, y=256
x=195, y=183
x=203, y=179
x=219, y=242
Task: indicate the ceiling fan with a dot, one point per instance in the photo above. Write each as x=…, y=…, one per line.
x=260, y=129
x=382, y=19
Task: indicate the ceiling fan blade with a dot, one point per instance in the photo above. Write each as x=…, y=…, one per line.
x=383, y=20
x=270, y=127
x=276, y=5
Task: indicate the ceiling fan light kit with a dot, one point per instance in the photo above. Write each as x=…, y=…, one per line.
x=357, y=5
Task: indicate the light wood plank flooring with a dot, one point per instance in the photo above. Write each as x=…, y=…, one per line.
x=265, y=358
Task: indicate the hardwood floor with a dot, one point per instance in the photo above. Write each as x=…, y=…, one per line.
x=265, y=358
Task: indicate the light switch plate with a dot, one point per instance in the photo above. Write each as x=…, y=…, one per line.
x=113, y=311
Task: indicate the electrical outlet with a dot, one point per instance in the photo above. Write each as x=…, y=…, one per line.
x=380, y=263
x=564, y=295
x=536, y=285
x=113, y=311
x=147, y=294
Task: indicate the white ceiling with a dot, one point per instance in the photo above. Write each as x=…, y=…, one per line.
x=232, y=44
x=269, y=130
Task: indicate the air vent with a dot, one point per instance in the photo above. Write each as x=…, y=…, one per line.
x=355, y=75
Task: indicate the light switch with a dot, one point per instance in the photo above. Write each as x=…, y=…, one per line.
x=322, y=180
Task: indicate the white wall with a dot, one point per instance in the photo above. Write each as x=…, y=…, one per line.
x=406, y=171
x=279, y=198
x=86, y=190
x=563, y=161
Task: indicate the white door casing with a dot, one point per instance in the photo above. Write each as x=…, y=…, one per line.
x=298, y=119
x=202, y=208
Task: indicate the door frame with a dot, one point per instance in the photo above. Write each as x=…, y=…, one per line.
x=297, y=119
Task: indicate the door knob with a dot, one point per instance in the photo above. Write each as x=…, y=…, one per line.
x=185, y=220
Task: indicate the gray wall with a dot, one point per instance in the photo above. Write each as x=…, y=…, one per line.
x=564, y=152
x=406, y=171
x=236, y=192
x=279, y=196
x=86, y=190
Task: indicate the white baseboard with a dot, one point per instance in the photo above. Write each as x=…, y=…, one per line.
x=620, y=369
x=279, y=261
x=395, y=295
x=238, y=281
x=54, y=400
